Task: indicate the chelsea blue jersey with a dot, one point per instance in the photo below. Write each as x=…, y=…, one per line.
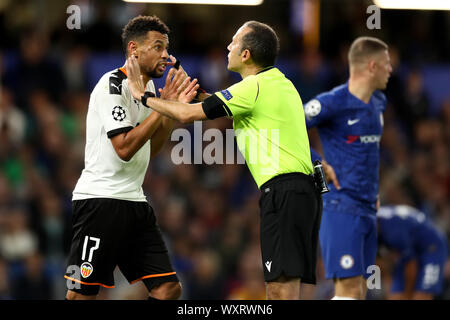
x=407, y=230
x=350, y=132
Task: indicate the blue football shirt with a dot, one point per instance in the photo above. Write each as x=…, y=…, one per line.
x=350, y=132
x=407, y=230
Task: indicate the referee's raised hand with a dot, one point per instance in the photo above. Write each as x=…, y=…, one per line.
x=135, y=81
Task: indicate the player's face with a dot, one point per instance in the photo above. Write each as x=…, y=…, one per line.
x=383, y=70
x=234, y=48
x=152, y=54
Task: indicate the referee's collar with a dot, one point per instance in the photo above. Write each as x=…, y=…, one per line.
x=265, y=69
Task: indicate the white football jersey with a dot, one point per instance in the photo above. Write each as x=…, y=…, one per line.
x=113, y=110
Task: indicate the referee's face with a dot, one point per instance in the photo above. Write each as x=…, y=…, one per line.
x=152, y=54
x=234, y=55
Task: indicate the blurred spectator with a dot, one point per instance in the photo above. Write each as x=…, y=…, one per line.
x=6, y=195
x=232, y=242
x=312, y=77
x=101, y=34
x=213, y=71
x=250, y=282
x=51, y=227
x=74, y=68
x=32, y=283
x=395, y=87
x=35, y=69
x=12, y=120
x=414, y=106
x=16, y=240
x=5, y=293
x=206, y=281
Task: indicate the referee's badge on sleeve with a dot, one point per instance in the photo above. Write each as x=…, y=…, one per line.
x=227, y=95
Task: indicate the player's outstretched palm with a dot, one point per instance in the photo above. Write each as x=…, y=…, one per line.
x=135, y=81
x=189, y=92
x=177, y=82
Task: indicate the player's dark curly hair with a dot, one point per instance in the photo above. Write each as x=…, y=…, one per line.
x=262, y=42
x=138, y=27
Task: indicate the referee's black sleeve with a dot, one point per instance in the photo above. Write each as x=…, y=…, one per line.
x=215, y=108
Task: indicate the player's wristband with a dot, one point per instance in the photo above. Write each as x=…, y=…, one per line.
x=147, y=94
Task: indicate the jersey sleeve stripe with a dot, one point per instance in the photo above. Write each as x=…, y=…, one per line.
x=115, y=132
x=257, y=93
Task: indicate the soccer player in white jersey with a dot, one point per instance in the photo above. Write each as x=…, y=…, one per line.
x=113, y=225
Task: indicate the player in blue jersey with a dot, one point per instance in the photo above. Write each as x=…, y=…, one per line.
x=421, y=252
x=349, y=120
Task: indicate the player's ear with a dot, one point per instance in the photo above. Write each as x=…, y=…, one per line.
x=132, y=48
x=372, y=65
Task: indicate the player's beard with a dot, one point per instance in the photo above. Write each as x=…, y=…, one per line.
x=154, y=73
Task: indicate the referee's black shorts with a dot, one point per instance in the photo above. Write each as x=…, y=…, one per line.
x=291, y=210
x=109, y=233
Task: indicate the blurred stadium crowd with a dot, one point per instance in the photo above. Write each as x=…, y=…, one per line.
x=208, y=213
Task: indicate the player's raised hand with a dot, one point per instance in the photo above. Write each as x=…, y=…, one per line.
x=135, y=81
x=330, y=174
x=189, y=92
x=176, y=83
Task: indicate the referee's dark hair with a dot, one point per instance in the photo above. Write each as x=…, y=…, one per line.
x=138, y=27
x=262, y=42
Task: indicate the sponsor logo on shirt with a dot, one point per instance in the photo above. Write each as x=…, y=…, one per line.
x=351, y=122
x=363, y=139
x=370, y=139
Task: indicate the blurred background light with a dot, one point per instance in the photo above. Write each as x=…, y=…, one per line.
x=414, y=4
x=211, y=2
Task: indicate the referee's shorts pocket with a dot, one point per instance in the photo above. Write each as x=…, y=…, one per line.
x=267, y=202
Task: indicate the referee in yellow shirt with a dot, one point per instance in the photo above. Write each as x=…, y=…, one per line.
x=270, y=129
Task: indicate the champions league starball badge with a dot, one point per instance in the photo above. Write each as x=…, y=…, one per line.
x=118, y=113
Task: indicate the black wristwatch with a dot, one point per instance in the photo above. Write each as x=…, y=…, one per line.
x=147, y=94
